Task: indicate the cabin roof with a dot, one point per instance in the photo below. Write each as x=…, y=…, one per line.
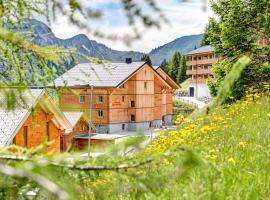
x=12, y=120
x=98, y=75
x=73, y=117
x=203, y=49
x=172, y=82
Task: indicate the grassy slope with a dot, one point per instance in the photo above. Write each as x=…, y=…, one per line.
x=222, y=155
x=236, y=143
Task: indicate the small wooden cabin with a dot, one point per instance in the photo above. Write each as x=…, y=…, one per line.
x=79, y=126
x=127, y=96
x=33, y=122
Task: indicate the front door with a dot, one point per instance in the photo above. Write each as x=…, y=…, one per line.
x=191, y=91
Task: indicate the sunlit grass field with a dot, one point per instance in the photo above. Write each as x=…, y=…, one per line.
x=218, y=153
x=224, y=154
x=234, y=144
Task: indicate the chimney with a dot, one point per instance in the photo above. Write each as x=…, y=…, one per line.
x=128, y=60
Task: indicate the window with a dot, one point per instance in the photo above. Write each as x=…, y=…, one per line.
x=100, y=99
x=217, y=56
x=194, y=67
x=145, y=85
x=205, y=67
x=194, y=58
x=100, y=113
x=132, y=118
x=211, y=56
x=82, y=99
x=123, y=98
x=132, y=104
x=205, y=76
x=47, y=129
x=123, y=126
x=25, y=132
x=200, y=57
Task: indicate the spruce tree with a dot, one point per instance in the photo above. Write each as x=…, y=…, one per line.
x=242, y=25
x=182, y=75
x=174, y=65
x=164, y=65
x=146, y=58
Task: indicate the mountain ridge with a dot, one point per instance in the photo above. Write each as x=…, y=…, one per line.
x=44, y=36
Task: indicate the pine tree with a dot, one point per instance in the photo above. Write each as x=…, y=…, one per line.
x=174, y=65
x=241, y=26
x=182, y=76
x=146, y=58
x=164, y=64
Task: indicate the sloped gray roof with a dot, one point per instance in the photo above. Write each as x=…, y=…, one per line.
x=202, y=49
x=155, y=67
x=11, y=120
x=98, y=75
x=73, y=117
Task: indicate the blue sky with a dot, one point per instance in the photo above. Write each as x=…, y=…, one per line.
x=186, y=18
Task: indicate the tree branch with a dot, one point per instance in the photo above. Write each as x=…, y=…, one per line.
x=41, y=180
x=83, y=168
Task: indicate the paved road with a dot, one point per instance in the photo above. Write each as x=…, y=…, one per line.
x=191, y=100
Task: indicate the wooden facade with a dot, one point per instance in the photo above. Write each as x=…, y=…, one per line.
x=139, y=102
x=67, y=140
x=44, y=122
x=201, y=63
x=37, y=129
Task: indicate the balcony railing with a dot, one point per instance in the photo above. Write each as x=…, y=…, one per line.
x=202, y=62
x=197, y=81
x=199, y=71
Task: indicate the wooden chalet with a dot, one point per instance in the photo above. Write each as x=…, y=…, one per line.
x=79, y=126
x=127, y=96
x=34, y=120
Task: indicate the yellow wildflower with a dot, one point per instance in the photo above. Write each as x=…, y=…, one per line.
x=242, y=144
x=212, y=151
x=231, y=161
x=211, y=157
x=205, y=129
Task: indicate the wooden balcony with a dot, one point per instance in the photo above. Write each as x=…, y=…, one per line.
x=199, y=71
x=198, y=81
x=202, y=62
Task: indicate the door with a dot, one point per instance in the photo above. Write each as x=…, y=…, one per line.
x=191, y=91
x=62, y=144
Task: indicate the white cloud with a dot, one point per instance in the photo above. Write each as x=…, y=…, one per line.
x=186, y=19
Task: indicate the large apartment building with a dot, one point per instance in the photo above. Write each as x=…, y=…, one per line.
x=127, y=96
x=201, y=62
